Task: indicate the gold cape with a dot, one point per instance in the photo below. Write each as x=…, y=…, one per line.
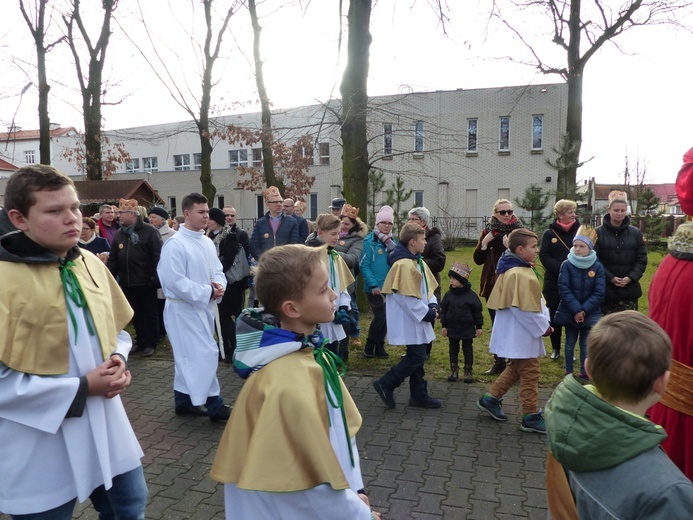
x=405, y=278
x=277, y=438
x=516, y=287
x=343, y=272
x=33, y=313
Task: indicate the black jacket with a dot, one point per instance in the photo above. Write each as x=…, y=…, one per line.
x=228, y=247
x=622, y=252
x=434, y=254
x=460, y=312
x=136, y=264
x=555, y=246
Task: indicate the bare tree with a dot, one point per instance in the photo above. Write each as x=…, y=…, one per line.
x=91, y=84
x=580, y=29
x=354, y=90
x=38, y=29
x=199, y=110
x=266, y=136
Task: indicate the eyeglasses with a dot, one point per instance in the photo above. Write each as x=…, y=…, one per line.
x=229, y=215
x=274, y=201
x=505, y=212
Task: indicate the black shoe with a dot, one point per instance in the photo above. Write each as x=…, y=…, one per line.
x=135, y=348
x=222, y=415
x=426, y=402
x=369, y=350
x=555, y=354
x=189, y=409
x=385, y=394
x=149, y=351
x=380, y=351
x=496, y=369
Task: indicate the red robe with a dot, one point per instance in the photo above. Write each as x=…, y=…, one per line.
x=671, y=306
x=684, y=183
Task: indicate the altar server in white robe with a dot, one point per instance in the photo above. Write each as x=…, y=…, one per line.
x=64, y=433
x=193, y=281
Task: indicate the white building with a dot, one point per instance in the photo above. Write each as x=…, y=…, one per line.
x=458, y=150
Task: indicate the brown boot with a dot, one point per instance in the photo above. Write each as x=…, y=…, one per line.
x=454, y=372
x=498, y=366
x=468, y=378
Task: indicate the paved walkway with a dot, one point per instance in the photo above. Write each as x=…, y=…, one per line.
x=453, y=463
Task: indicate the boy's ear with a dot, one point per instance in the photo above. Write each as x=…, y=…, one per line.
x=587, y=368
x=290, y=309
x=660, y=384
x=18, y=220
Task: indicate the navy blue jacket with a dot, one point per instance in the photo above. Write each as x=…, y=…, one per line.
x=555, y=246
x=263, y=238
x=580, y=290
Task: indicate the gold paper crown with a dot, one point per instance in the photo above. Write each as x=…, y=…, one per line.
x=587, y=234
x=272, y=191
x=462, y=270
x=618, y=196
x=682, y=239
x=128, y=205
x=350, y=211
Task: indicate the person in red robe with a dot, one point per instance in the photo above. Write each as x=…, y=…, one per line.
x=671, y=306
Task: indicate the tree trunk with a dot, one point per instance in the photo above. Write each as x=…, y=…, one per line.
x=267, y=135
x=354, y=90
x=208, y=188
x=91, y=106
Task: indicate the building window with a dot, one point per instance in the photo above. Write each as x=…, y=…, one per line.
x=220, y=201
x=472, y=129
x=172, y=206
x=307, y=153
x=238, y=158
x=504, y=134
x=418, y=199
x=324, y=154
x=257, y=157
x=30, y=156
x=313, y=203
x=538, y=132
x=132, y=166
x=197, y=161
x=181, y=162
x=260, y=206
x=150, y=164
x=387, y=139
x=418, y=137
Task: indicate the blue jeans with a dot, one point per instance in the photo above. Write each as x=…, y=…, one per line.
x=213, y=404
x=411, y=366
x=571, y=336
x=354, y=328
x=125, y=500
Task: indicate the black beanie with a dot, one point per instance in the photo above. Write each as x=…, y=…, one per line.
x=158, y=210
x=217, y=216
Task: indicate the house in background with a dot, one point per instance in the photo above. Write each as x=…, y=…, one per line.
x=458, y=151
x=21, y=147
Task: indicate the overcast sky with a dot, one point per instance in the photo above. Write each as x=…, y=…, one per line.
x=636, y=103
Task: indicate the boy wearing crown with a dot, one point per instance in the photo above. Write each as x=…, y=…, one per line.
x=461, y=318
x=582, y=288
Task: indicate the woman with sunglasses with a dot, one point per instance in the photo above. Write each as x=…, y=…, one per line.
x=487, y=253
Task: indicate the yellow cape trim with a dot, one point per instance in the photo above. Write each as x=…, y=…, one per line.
x=343, y=272
x=277, y=438
x=33, y=313
x=405, y=278
x=516, y=287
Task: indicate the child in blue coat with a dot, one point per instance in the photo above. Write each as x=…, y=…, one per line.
x=582, y=289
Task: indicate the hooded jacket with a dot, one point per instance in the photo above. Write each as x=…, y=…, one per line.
x=621, y=250
x=374, y=265
x=580, y=290
x=136, y=263
x=614, y=464
x=350, y=246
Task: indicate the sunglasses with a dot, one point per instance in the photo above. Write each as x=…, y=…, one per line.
x=505, y=212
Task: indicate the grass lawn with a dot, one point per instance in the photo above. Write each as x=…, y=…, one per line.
x=438, y=366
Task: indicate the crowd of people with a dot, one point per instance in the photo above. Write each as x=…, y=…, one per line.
x=72, y=284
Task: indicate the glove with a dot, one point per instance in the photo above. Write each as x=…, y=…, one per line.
x=434, y=306
x=430, y=315
x=341, y=317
